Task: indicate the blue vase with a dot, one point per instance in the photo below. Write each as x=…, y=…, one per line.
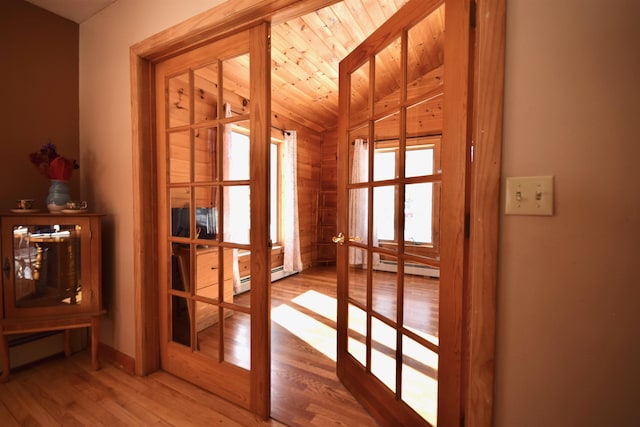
x=58, y=195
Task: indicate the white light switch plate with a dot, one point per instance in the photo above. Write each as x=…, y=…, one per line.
x=529, y=195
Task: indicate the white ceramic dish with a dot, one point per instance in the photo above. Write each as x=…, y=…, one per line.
x=25, y=210
x=73, y=211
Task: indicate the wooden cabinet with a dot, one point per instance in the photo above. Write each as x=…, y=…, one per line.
x=51, y=277
x=207, y=279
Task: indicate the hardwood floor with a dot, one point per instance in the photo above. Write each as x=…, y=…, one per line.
x=305, y=389
x=67, y=392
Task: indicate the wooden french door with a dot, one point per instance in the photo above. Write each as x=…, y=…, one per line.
x=403, y=156
x=212, y=108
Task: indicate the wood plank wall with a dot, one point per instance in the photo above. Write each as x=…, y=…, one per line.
x=327, y=202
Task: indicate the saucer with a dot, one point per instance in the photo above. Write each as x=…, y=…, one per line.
x=74, y=211
x=24, y=210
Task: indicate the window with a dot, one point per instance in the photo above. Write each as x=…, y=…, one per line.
x=419, y=227
x=275, y=192
x=240, y=202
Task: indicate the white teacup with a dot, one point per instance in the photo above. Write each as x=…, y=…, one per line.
x=76, y=204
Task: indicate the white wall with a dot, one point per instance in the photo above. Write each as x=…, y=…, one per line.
x=568, y=338
x=105, y=139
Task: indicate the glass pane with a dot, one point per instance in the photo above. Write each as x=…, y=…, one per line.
x=358, y=215
x=236, y=149
x=237, y=217
x=359, y=155
x=233, y=262
x=418, y=215
x=206, y=212
x=388, y=77
x=419, y=162
x=383, y=353
x=420, y=379
x=47, y=265
x=180, y=320
x=179, y=104
x=421, y=300
x=386, y=134
x=207, y=273
x=208, y=330
x=179, y=157
x=180, y=267
x=423, y=119
x=235, y=85
x=357, y=276
x=206, y=161
x=357, y=334
x=425, y=55
x=237, y=338
x=243, y=264
x=205, y=82
x=359, y=100
x=274, y=186
x=384, y=218
x=384, y=165
x=179, y=200
x=384, y=286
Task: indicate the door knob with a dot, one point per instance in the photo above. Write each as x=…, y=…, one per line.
x=339, y=239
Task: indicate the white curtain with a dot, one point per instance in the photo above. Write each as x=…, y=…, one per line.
x=358, y=203
x=292, y=259
x=228, y=231
x=359, y=206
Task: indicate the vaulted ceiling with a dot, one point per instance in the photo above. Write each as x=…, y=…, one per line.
x=306, y=52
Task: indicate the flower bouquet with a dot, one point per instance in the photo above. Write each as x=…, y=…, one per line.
x=52, y=164
x=58, y=169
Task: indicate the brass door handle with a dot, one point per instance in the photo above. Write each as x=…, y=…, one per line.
x=339, y=239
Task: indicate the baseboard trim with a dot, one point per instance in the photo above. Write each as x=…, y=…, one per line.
x=116, y=358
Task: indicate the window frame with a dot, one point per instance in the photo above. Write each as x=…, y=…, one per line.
x=433, y=142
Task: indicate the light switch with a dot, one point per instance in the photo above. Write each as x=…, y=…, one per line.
x=529, y=195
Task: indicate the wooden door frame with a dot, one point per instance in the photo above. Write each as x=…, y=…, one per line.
x=485, y=116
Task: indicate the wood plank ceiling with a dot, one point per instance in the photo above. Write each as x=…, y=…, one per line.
x=306, y=52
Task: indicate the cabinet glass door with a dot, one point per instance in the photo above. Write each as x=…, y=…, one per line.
x=47, y=261
x=47, y=265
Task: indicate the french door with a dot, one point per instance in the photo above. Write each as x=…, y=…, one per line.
x=403, y=153
x=213, y=174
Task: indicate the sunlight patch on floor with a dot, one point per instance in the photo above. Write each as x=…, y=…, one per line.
x=315, y=333
x=419, y=389
x=318, y=303
x=326, y=306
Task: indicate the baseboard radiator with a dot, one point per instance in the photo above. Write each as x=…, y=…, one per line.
x=25, y=349
x=277, y=273
x=414, y=269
